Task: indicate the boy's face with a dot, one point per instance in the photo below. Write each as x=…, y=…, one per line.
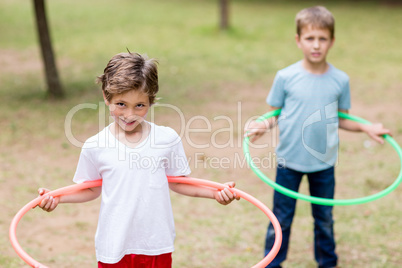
x=315, y=44
x=129, y=109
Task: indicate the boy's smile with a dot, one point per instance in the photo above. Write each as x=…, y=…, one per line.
x=315, y=44
x=129, y=110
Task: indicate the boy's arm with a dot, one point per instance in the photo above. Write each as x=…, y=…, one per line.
x=256, y=129
x=374, y=131
x=224, y=196
x=49, y=203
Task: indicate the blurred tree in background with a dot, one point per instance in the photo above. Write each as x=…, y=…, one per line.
x=224, y=14
x=54, y=88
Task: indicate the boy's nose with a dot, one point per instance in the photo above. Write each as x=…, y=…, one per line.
x=130, y=115
x=129, y=112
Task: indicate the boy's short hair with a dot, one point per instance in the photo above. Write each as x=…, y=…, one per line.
x=317, y=16
x=130, y=71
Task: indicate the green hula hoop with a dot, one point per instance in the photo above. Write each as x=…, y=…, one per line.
x=319, y=200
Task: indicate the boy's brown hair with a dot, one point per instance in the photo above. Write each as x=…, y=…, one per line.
x=130, y=71
x=317, y=16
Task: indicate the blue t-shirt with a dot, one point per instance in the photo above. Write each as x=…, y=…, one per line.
x=308, y=123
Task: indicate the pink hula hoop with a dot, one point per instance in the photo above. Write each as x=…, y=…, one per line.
x=198, y=182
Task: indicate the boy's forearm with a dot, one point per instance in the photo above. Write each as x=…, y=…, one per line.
x=82, y=196
x=223, y=197
x=350, y=125
x=272, y=122
x=374, y=131
x=191, y=190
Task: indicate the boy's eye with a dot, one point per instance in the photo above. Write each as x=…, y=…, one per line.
x=140, y=105
x=120, y=104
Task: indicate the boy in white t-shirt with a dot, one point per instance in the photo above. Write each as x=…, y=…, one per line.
x=133, y=158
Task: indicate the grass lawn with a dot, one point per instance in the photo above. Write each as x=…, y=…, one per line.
x=209, y=80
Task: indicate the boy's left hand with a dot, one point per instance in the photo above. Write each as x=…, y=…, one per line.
x=225, y=196
x=375, y=131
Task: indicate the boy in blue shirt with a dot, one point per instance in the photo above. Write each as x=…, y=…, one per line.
x=310, y=94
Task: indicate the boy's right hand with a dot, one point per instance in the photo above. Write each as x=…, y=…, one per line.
x=256, y=129
x=49, y=203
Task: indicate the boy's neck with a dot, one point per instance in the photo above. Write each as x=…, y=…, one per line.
x=132, y=138
x=315, y=68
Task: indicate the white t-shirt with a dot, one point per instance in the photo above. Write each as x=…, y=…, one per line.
x=135, y=215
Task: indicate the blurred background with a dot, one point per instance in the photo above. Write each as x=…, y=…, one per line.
x=215, y=69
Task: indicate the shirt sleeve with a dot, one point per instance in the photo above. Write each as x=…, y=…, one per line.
x=344, y=98
x=177, y=164
x=86, y=169
x=276, y=96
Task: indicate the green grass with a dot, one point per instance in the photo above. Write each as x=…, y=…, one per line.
x=205, y=72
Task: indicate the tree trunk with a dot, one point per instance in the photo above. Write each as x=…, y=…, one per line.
x=52, y=78
x=224, y=14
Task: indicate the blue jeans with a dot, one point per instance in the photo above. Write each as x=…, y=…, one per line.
x=321, y=184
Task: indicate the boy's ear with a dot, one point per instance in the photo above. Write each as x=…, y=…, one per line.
x=332, y=41
x=104, y=98
x=297, y=38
